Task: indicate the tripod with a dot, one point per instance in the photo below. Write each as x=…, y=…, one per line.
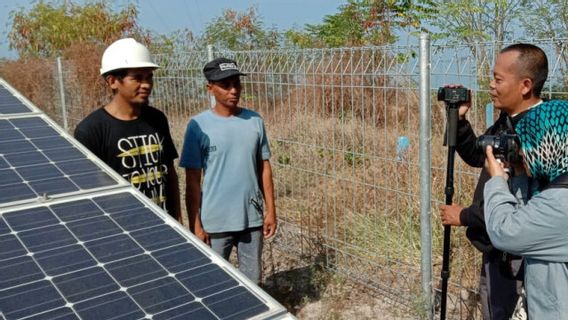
x=451, y=141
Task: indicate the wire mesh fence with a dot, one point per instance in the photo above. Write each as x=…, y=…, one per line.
x=343, y=125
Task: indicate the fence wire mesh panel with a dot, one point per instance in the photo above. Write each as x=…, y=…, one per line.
x=83, y=90
x=344, y=131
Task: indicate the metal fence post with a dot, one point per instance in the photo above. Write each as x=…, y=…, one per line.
x=425, y=174
x=209, y=58
x=62, y=94
x=488, y=115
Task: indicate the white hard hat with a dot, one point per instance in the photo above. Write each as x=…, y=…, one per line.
x=126, y=54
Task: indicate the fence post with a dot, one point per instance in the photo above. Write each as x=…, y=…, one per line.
x=209, y=58
x=62, y=94
x=425, y=174
x=488, y=115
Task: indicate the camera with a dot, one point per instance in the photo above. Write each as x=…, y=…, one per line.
x=505, y=146
x=453, y=96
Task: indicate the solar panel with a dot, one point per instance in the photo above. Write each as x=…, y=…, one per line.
x=78, y=242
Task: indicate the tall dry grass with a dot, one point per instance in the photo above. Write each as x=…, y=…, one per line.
x=37, y=78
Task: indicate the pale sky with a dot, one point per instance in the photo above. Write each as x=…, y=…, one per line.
x=164, y=16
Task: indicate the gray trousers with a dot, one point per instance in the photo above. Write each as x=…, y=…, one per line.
x=249, y=250
x=498, y=290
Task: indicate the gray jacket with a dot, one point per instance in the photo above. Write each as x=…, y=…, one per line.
x=537, y=231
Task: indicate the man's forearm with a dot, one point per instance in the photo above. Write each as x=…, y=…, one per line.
x=193, y=198
x=192, y=202
x=267, y=188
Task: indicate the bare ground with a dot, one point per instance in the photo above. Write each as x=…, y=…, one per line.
x=310, y=292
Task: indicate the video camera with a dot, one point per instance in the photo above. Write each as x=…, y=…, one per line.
x=505, y=146
x=453, y=96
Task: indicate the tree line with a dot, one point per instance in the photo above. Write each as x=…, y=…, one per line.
x=49, y=28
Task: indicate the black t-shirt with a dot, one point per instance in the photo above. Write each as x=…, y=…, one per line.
x=139, y=150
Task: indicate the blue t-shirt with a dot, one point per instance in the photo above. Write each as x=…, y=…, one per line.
x=229, y=150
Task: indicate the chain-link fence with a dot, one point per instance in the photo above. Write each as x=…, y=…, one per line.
x=343, y=125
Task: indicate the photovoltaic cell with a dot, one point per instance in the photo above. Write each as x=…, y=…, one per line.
x=78, y=242
x=64, y=260
x=31, y=218
x=22, y=269
x=160, y=295
x=76, y=210
x=234, y=303
x=192, y=310
x=94, y=228
x=29, y=299
x=3, y=227
x=57, y=314
x=205, y=280
x=47, y=238
x=113, y=248
x=136, y=270
x=135, y=219
x=117, y=305
x=84, y=284
x=10, y=247
x=179, y=258
x=76, y=259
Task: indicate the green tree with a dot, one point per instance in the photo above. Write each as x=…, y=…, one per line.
x=477, y=22
x=549, y=19
x=361, y=23
x=240, y=31
x=48, y=29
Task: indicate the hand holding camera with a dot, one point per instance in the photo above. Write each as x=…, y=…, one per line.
x=504, y=146
x=456, y=96
x=494, y=166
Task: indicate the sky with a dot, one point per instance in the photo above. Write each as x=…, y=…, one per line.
x=165, y=16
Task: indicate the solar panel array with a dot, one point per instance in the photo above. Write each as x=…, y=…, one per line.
x=78, y=242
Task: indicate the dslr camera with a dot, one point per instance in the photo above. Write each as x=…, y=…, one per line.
x=453, y=96
x=505, y=146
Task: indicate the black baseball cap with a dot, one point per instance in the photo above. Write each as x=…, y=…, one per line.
x=221, y=68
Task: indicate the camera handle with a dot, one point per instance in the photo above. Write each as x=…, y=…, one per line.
x=450, y=141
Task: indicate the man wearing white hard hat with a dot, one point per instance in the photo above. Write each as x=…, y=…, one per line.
x=130, y=136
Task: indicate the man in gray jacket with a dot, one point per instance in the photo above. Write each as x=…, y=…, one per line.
x=538, y=230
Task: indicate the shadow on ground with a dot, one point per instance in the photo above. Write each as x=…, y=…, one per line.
x=294, y=282
x=297, y=287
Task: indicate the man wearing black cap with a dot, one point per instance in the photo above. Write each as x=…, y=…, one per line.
x=228, y=144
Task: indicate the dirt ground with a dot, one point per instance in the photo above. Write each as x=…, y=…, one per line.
x=310, y=292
